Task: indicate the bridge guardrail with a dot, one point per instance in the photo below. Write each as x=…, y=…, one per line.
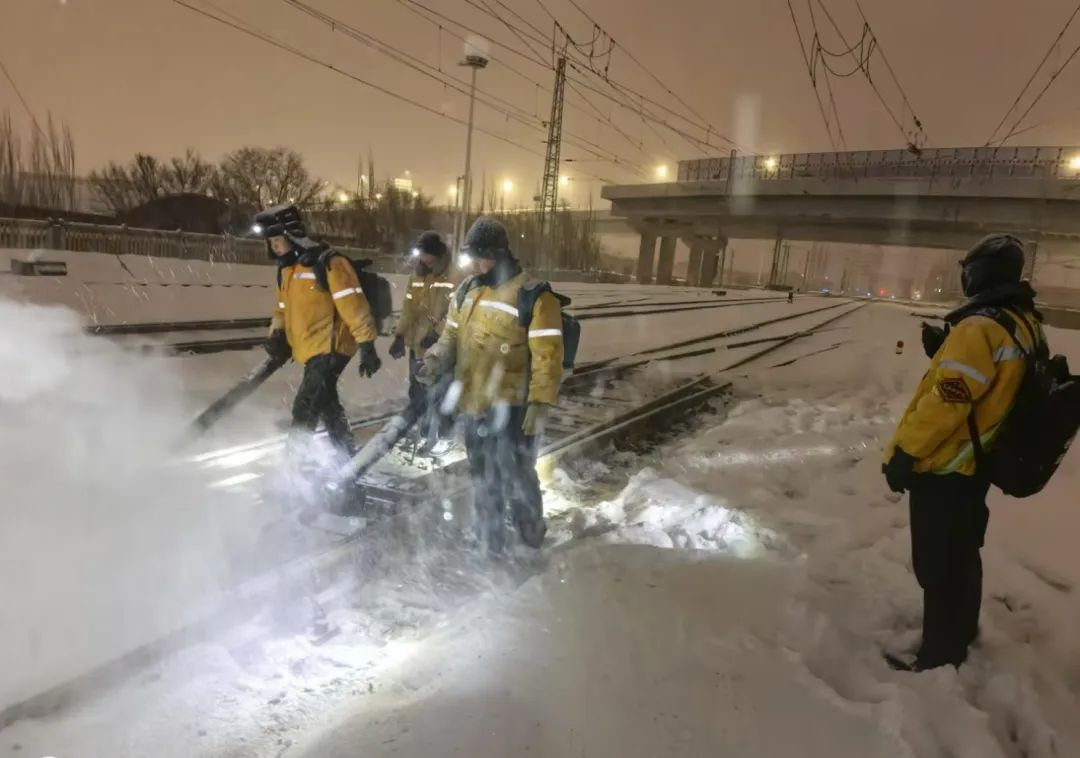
x=1037, y=162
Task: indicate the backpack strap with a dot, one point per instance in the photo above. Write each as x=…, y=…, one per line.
x=1009, y=320
x=469, y=284
x=320, y=267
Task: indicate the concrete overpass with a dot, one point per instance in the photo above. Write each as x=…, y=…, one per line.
x=942, y=198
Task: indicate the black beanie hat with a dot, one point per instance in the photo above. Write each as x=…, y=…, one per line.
x=431, y=243
x=994, y=260
x=487, y=238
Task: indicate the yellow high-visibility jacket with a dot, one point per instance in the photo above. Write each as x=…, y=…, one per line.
x=496, y=360
x=427, y=301
x=317, y=321
x=979, y=366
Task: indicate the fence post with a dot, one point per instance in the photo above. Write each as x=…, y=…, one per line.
x=56, y=234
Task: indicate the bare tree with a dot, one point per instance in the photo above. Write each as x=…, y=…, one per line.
x=146, y=178
x=11, y=178
x=41, y=175
x=122, y=188
x=189, y=173
x=256, y=177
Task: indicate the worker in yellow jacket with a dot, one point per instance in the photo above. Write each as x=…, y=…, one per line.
x=321, y=320
x=976, y=370
x=503, y=342
x=427, y=301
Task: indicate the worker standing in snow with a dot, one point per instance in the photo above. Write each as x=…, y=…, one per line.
x=504, y=342
x=976, y=370
x=321, y=320
x=427, y=301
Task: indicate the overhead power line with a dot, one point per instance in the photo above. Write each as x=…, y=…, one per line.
x=654, y=77
x=1035, y=73
x=510, y=111
x=869, y=44
x=543, y=64
x=585, y=67
x=282, y=45
x=810, y=72
x=1038, y=97
x=19, y=95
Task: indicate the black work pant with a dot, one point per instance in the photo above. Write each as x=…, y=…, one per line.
x=417, y=391
x=948, y=524
x=317, y=400
x=503, y=465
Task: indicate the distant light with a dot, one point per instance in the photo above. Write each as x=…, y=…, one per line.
x=1074, y=163
x=378, y=196
x=661, y=171
x=447, y=516
x=881, y=292
x=508, y=185
x=415, y=194
x=343, y=197
x=257, y=229
x=464, y=260
x=408, y=173
x=452, y=190
x=415, y=252
x=771, y=163
x=564, y=180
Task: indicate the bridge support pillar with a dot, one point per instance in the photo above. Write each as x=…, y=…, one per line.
x=665, y=267
x=646, y=256
x=711, y=262
x=777, y=262
x=1031, y=249
x=693, y=268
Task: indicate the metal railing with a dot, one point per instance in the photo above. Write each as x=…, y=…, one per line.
x=56, y=234
x=1061, y=163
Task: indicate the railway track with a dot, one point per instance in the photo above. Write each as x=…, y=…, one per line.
x=601, y=406
x=258, y=326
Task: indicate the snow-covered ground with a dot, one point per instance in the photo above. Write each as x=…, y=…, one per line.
x=726, y=593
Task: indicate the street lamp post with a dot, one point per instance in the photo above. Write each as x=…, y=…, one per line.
x=476, y=61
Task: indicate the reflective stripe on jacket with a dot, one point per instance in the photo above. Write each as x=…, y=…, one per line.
x=495, y=359
x=427, y=301
x=978, y=365
x=316, y=321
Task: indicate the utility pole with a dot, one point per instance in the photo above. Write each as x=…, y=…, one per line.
x=549, y=191
x=475, y=61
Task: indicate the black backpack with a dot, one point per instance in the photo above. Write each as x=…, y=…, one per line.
x=1041, y=424
x=571, y=327
x=530, y=291
x=376, y=289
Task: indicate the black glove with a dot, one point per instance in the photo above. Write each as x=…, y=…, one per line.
x=430, y=339
x=277, y=345
x=898, y=471
x=369, y=359
x=397, y=348
x=933, y=337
